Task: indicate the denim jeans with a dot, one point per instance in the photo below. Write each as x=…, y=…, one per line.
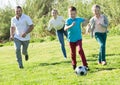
x=101, y=38
x=60, y=35
x=18, y=45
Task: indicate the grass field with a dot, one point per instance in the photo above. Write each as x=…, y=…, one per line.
x=47, y=66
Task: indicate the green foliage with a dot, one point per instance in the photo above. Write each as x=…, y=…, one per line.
x=115, y=30
x=40, y=12
x=5, y=18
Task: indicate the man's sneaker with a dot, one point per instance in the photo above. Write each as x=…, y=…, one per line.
x=21, y=67
x=74, y=67
x=26, y=57
x=104, y=63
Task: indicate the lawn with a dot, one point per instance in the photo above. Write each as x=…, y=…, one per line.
x=47, y=66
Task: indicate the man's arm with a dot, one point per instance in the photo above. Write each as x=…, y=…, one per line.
x=12, y=31
x=31, y=27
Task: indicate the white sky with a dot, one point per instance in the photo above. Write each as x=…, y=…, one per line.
x=11, y=3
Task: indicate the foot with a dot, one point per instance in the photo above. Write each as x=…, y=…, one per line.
x=74, y=67
x=65, y=57
x=104, y=63
x=99, y=62
x=87, y=68
x=26, y=57
x=21, y=67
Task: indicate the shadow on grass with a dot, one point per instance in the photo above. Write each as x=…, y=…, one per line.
x=55, y=63
x=113, y=54
x=96, y=55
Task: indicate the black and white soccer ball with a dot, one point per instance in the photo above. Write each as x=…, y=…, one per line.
x=81, y=70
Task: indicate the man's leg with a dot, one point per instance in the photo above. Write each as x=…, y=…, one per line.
x=24, y=49
x=17, y=44
x=61, y=40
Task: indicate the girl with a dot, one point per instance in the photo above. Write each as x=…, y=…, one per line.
x=57, y=22
x=98, y=25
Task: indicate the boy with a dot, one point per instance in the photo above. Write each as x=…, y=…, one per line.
x=73, y=28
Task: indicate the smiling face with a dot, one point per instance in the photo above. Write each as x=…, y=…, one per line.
x=72, y=14
x=54, y=13
x=18, y=12
x=96, y=11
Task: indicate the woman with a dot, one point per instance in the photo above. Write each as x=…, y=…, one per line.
x=98, y=25
x=58, y=23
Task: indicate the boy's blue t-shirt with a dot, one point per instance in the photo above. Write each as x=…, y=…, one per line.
x=74, y=33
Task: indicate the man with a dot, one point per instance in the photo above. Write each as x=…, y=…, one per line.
x=21, y=26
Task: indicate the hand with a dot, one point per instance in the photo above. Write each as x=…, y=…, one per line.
x=87, y=29
x=23, y=35
x=73, y=23
x=11, y=38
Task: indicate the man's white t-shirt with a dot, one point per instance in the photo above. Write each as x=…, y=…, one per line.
x=21, y=26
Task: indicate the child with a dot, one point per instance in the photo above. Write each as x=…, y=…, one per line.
x=73, y=28
x=58, y=23
x=98, y=25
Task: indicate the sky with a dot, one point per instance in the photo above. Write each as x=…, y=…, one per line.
x=11, y=3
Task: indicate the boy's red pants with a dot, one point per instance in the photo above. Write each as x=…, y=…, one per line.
x=73, y=46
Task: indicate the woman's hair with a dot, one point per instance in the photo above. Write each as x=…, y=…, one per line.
x=72, y=8
x=55, y=10
x=95, y=6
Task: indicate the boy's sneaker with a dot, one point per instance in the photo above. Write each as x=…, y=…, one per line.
x=74, y=67
x=26, y=57
x=87, y=68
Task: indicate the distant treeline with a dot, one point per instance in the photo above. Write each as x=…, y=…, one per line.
x=39, y=11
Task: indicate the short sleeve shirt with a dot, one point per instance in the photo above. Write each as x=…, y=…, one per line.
x=74, y=33
x=21, y=26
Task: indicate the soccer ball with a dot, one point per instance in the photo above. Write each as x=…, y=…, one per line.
x=81, y=70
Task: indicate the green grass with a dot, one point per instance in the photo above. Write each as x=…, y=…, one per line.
x=47, y=66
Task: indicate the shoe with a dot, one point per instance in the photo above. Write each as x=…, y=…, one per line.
x=87, y=68
x=104, y=63
x=99, y=62
x=65, y=57
x=21, y=67
x=26, y=57
x=74, y=67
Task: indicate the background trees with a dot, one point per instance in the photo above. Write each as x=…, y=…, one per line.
x=39, y=11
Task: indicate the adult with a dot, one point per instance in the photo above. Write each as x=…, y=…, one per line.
x=21, y=26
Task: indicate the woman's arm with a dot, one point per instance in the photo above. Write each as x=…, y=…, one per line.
x=105, y=23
